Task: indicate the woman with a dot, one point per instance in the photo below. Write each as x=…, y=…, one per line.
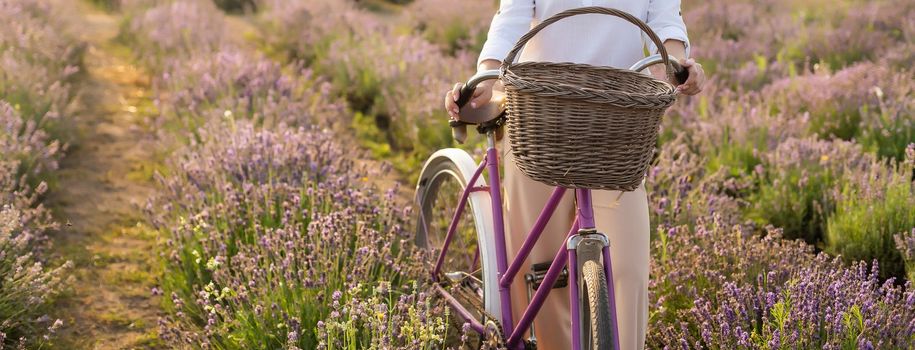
x=602, y=41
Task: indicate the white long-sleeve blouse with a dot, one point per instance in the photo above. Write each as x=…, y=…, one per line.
x=591, y=39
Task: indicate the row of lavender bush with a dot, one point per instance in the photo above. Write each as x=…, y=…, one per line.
x=38, y=62
x=387, y=73
x=805, y=126
x=274, y=237
x=812, y=142
x=810, y=133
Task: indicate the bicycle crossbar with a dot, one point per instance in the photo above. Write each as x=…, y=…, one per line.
x=533, y=237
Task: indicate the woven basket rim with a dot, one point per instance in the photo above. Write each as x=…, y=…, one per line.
x=669, y=90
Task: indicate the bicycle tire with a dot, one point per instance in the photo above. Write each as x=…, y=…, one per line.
x=599, y=334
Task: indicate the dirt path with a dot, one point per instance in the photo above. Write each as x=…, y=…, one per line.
x=103, y=182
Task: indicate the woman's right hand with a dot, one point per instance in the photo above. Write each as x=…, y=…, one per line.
x=481, y=95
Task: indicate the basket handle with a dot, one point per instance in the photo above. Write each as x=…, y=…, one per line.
x=591, y=10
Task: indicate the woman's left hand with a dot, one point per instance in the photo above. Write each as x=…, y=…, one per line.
x=696, y=80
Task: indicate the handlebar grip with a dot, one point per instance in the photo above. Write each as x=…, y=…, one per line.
x=680, y=73
x=465, y=95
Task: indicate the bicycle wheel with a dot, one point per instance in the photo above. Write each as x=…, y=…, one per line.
x=469, y=266
x=598, y=326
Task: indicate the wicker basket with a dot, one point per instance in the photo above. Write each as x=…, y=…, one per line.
x=581, y=126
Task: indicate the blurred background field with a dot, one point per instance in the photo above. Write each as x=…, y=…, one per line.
x=782, y=197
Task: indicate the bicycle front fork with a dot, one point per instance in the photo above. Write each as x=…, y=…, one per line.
x=586, y=245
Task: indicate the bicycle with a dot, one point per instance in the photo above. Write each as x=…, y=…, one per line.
x=473, y=273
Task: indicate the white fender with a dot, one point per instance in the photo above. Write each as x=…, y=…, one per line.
x=482, y=204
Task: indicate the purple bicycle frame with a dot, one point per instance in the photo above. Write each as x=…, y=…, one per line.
x=583, y=222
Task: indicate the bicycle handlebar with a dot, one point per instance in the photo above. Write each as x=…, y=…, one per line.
x=466, y=92
x=680, y=73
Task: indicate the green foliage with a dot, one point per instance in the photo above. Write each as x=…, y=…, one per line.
x=237, y=6
x=454, y=36
x=795, y=199
x=830, y=123
x=890, y=136
x=869, y=212
x=736, y=156
x=889, y=127
x=107, y=4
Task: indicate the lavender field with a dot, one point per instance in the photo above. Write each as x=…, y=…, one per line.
x=237, y=174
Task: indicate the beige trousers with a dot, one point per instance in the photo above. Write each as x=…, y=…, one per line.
x=625, y=221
